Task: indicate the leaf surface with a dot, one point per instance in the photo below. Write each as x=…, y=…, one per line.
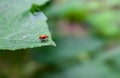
x=19, y=28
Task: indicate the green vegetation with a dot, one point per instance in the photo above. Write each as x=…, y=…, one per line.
x=86, y=33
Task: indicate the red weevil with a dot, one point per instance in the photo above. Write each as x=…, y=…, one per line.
x=43, y=37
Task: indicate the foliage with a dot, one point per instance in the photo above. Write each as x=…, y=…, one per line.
x=19, y=27
x=87, y=36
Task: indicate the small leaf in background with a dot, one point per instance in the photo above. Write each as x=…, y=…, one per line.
x=106, y=23
x=19, y=28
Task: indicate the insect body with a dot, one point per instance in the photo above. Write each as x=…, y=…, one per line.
x=43, y=37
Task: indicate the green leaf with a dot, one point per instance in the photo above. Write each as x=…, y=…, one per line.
x=106, y=22
x=19, y=28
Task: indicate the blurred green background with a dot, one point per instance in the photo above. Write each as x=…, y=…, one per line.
x=86, y=33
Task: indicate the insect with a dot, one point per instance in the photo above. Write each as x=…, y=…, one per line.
x=43, y=37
